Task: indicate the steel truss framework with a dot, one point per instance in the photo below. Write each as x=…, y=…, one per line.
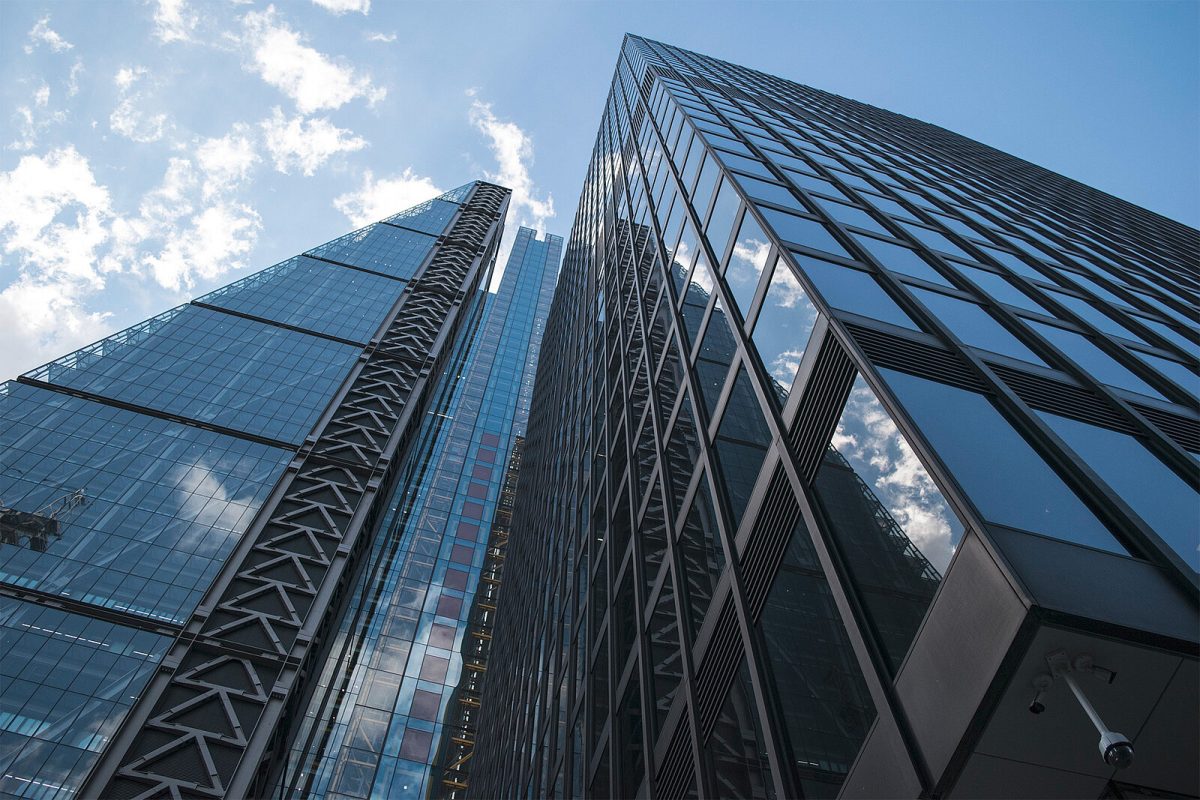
x=216, y=718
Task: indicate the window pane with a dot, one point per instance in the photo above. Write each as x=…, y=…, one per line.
x=999, y=288
x=771, y=192
x=850, y=215
x=1092, y=315
x=1154, y=492
x=1091, y=358
x=854, y=291
x=890, y=520
x=1012, y=486
x=741, y=444
x=974, y=326
x=746, y=262
x=720, y=222
x=783, y=328
x=802, y=230
x=901, y=259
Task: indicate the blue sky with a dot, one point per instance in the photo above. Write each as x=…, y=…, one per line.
x=151, y=151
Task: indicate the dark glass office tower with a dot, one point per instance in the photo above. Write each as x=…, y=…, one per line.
x=853, y=441
x=185, y=505
x=399, y=689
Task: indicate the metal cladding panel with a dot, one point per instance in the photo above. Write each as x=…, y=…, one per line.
x=764, y=275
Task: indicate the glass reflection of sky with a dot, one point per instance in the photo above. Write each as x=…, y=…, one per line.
x=874, y=447
x=746, y=262
x=783, y=327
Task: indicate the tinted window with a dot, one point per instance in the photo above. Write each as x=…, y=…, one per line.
x=802, y=230
x=1092, y=359
x=1154, y=492
x=746, y=262
x=974, y=326
x=1012, y=485
x=783, y=327
x=901, y=259
x=854, y=291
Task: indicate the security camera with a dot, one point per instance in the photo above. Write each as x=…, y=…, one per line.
x=1116, y=749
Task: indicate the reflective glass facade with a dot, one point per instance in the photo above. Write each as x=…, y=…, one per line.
x=201, y=472
x=400, y=686
x=803, y=356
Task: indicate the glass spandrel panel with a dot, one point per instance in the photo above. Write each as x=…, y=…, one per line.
x=933, y=240
x=743, y=164
x=1000, y=289
x=887, y=205
x=1013, y=485
x=901, y=259
x=890, y=520
x=429, y=217
x=380, y=247
x=66, y=684
x=1173, y=335
x=771, y=192
x=974, y=326
x=746, y=262
x=1159, y=496
x=716, y=355
x=850, y=215
x=823, y=698
x=701, y=556
x=803, y=231
x=1014, y=263
x=783, y=328
x=1093, y=360
x=1183, y=377
x=160, y=507
x=722, y=218
x=853, y=290
x=705, y=186
x=814, y=184
x=313, y=295
x=213, y=367
x=1095, y=317
x=695, y=300
x=741, y=444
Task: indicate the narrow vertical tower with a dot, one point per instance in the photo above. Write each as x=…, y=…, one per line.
x=394, y=711
x=853, y=441
x=185, y=505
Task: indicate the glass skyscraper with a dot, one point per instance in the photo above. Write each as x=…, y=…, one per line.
x=185, y=505
x=856, y=446
x=400, y=678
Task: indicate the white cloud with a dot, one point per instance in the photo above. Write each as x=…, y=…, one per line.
x=41, y=33
x=52, y=221
x=343, y=6
x=212, y=243
x=128, y=119
x=305, y=144
x=174, y=21
x=376, y=36
x=73, y=78
x=54, y=215
x=34, y=118
x=375, y=200
x=513, y=151
x=192, y=226
x=43, y=320
x=308, y=77
x=869, y=439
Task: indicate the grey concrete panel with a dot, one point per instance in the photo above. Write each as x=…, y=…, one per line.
x=968, y=632
x=883, y=768
x=1098, y=585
